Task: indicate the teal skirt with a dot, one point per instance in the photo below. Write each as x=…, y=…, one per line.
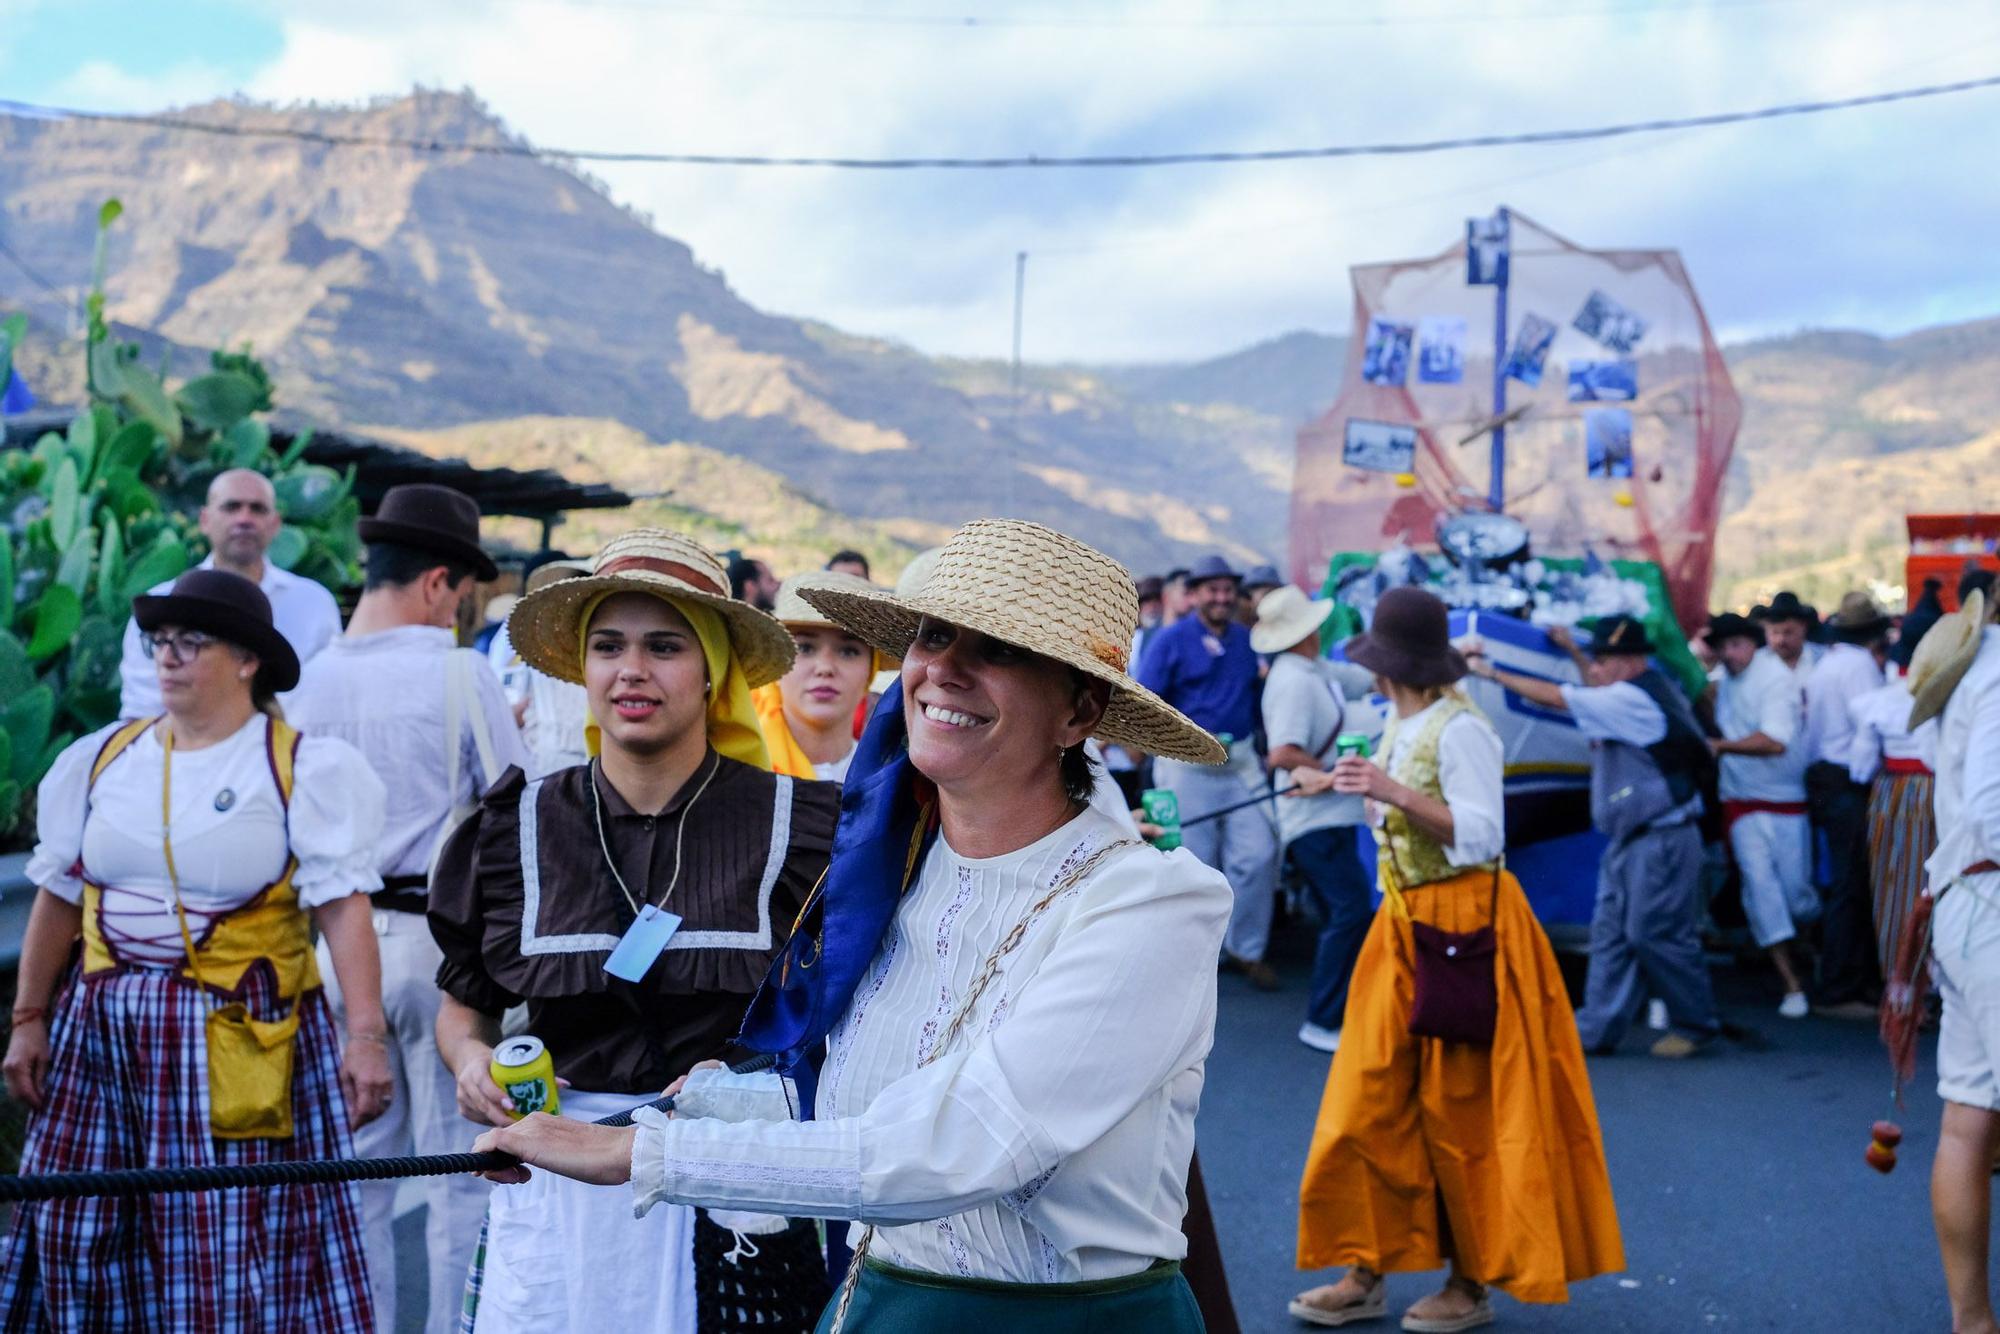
x=892, y=1300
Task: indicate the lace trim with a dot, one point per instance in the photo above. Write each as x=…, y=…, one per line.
x=961, y=1258
x=736, y=1172
x=1019, y=1200
x=947, y=921
x=848, y=1032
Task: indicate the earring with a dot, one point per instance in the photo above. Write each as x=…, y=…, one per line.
x=243, y=676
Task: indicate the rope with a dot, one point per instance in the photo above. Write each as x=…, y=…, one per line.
x=1226, y=810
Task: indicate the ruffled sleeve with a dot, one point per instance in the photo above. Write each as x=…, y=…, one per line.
x=335, y=821
x=461, y=896
x=61, y=803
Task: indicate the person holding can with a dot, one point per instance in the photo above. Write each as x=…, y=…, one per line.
x=194, y=853
x=632, y=906
x=1015, y=997
x=1457, y=1126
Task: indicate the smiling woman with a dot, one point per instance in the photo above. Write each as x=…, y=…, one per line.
x=809, y=717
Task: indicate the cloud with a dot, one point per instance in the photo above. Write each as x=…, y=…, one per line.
x=1874, y=217
x=99, y=85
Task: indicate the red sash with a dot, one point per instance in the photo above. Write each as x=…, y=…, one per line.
x=1734, y=810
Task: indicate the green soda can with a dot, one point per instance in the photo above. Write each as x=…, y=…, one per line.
x=1163, y=808
x=523, y=1068
x=1352, y=743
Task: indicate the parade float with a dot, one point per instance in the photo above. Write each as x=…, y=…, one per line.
x=1539, y=434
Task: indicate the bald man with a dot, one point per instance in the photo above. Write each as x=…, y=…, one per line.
x=240, y=520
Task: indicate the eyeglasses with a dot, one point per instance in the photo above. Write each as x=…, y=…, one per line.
x=182, y=645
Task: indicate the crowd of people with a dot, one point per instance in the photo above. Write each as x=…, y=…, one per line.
x=860, y=876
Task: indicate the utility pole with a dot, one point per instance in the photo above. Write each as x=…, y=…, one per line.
x=1496, y=487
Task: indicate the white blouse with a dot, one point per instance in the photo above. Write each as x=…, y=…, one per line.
x=1472, y=770
x=1050, y=1142
x=231, y=832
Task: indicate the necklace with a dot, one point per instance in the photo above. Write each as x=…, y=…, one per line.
x=680, y=829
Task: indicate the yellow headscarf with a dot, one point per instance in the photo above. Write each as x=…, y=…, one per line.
x=787, y=756
x=732, y=718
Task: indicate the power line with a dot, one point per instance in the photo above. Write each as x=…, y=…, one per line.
x=1406, y=148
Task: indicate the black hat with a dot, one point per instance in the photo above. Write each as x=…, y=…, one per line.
x=1151, y=588
x=1211, y=567
x=1263, y=576
x=430, y=518
x=1730, y=625
x=232, y=609
x=1409, y=641
x=1787, y=607
x=1619, y=635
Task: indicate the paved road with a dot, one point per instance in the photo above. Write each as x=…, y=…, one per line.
x=1739, y=1180
x=1740, y=1186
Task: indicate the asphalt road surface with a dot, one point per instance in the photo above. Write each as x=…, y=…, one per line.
x=1738, y=1175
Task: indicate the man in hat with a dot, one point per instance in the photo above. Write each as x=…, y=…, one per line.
x=1305, y=714
x=1257, y=583
x=1849, y=973
x=433, y=722
x=1175, y=601
x=1648, y=764
x=1788, y=634
x=1760, y=710
x=1204, y=666
x=240, y=519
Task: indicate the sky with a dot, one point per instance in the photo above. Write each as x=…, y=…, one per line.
x=1876, y=218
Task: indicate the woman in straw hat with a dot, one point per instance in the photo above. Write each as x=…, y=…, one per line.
x=632, y=905
x=1457, y=1126
x=1015, y=999
x=809, y=714
x=194, y=853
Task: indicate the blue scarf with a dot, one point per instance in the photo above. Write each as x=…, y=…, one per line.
x=888, y=816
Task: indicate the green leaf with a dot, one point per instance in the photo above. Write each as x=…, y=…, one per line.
x=6, y=759
x=12, y=330
x=94, y=656
x=108, y=212
x=10, y=805
x=58, y=743
x=17, y=674
x=110, y=564
x=128, y=450
x=161, y=561
x=128, y=497
x=141, y=394
x=57, y=615
x=6, y=585
x=27, y=721
x=296, y=450
x=74, y=572
x=288, y=548
x=220, y=400
x=248, y=443
x=65, y=504
x=309, y=494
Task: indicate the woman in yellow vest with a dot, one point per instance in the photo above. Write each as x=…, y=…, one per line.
x=809, y=715
x=1457, y=1126
x=189, y=851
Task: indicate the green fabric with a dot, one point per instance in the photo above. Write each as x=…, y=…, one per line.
x=892, y=1300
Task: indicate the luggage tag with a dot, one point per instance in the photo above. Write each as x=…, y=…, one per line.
x=643, y=942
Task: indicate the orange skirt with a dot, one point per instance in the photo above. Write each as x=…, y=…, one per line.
x=1427, y=1151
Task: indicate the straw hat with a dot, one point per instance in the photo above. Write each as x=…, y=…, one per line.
x=1858, y=620
x=1943, y=658
x=544, y=627
x=794, y=611
x=1286, y=616
x=1038, y=590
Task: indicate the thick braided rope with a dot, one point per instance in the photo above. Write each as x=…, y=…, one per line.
x=238, y=1176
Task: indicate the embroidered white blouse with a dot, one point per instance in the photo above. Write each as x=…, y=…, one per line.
x=1472, y=772
x=1050, y=1142
x=231, y=831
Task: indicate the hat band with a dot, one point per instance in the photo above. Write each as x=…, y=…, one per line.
x=687, y=574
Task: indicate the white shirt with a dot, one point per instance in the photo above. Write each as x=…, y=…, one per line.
x=1620, y=711
x=1882, y=732
x=1764, y=697
x=1967, y=800
x=1472, y=771
x=384, y=695
x=1305, y=707
x=231, y=831
x=1050, y=1143
x=304, y=612
x=1844, y=674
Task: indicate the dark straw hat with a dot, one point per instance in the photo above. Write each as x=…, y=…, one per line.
x=1619, y=635
x=1732, y=625
x=431, y=518
x=1409, y=641
x=232, y=609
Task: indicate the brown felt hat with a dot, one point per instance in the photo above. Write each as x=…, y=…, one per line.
x=232, y=609
x=1409, y=640
x=430, y=518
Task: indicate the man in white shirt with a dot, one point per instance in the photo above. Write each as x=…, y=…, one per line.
x=1965, y=950
x=1305, y=713
x=432, y=721
x=1648, y=763
x=1788, y=626
x=1760, y=710
x=240, y=520
x=1850, y=979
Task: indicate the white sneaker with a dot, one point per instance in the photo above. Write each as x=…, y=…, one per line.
x=1656, y=1015
x=1320, y=1038
x=1794, y=1006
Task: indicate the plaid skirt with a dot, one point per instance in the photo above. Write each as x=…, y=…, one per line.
x=1902, y=834
x=128, y=1087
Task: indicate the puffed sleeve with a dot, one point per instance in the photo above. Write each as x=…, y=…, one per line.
x=1098, y=1028
x=338, y=808
x=458, y=906
x=61, y=802
x=1471, y=770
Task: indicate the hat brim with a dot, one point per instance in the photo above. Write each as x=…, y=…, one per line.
x=429, y=539
x=1944, y=657
x=277, y=660
x=544, y=627
x=1403, y=668
x=1860, y=632
x=1279, y=636
x=1134, y=717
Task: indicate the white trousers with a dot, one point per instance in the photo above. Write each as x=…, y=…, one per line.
x=1243, y=845
x=422, y=1119
x=1965, y=955
x=1774, y=858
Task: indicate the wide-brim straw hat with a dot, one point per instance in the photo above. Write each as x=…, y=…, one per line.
x=1943, y=658
x=546, y=631
x=1040, y=591
x=794, y=611
x=1284, y=618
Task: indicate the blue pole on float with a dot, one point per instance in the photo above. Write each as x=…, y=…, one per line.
x=1496, y=487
